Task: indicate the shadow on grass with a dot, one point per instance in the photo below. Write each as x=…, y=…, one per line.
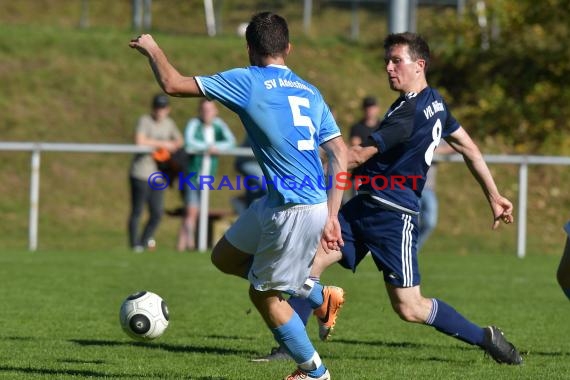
x=547, y=354
x=62, y=372
x=91, y=374
x=19, y=338
x=433, y=347
x=406, y=346
x=81, y=361
x=380, y=343
x=166, y=347
x=225, y=337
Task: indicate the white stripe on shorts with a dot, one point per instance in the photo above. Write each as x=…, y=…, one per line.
x=406, y=251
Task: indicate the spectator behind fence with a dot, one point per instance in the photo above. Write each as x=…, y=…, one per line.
x=369, y=122
x=429, y=206
x=207, y=133
x=159, y=131
x=360, y=131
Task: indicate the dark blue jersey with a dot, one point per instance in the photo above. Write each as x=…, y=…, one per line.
x=407, y=137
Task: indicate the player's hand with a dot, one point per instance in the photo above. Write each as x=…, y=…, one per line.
x=502, y=211
x=331, y=239
x=359, y=154
x=143, y=43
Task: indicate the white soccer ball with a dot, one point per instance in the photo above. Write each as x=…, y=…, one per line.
x=144, y=316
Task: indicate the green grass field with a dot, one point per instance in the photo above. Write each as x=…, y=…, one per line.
x=59, y=319
x=59, y=306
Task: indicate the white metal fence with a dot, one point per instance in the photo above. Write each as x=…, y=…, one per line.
x=36, y=148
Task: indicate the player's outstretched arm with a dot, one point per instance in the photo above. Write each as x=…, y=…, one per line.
x=501, y=207
x=169, y=79
x=336, y=163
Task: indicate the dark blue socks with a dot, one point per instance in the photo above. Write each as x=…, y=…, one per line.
x=302, y=307
x=448, y=321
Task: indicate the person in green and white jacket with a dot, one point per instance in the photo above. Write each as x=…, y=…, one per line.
x=207, y=133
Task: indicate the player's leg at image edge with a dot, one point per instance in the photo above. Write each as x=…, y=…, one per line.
x=563, y=273
x=324, y=302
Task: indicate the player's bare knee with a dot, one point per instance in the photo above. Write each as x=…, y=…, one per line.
x=220, y=261
x=224, y=265
x=407, y=311
x=228, y=259
x=216, y=261
x=266, y=302
x=253, y=296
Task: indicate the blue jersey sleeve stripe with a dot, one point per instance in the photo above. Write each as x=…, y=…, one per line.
x=330, y=137
x=201, y=86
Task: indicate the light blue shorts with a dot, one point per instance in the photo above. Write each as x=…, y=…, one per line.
x=283, y=241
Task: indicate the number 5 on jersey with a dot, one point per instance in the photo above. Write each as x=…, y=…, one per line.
x=296, y=102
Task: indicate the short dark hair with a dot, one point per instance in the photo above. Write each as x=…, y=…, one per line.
x=417, y=45
x=160, y=101
x=369, y=101
x=267, y=34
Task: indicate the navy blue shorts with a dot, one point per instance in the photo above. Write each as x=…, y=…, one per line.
x=390, y=236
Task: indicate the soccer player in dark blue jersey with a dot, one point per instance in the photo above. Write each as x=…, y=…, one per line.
x=383, y=218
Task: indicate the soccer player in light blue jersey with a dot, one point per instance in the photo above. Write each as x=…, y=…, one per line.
x=273, y=243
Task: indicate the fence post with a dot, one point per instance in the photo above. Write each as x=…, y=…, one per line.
x=355, y=24
x=147, y=15
x=399, y=16
x=210, y=17
x=34, y=199
x=84, y=19
x=204, y=204
x=307, y=15
x=523, y=196
x=137, y=15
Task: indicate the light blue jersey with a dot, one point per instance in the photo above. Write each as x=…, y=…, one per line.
x=286, y=119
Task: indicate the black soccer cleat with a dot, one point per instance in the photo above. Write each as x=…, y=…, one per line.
x=499, y=348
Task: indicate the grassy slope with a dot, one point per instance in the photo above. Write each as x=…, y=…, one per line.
x=64, y=84
x=90, y=87
x=59, y=320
